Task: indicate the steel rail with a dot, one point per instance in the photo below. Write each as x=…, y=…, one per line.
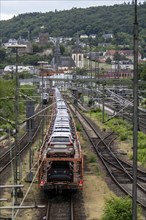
x=22, y=149
x=106, y=155
x=63, y=209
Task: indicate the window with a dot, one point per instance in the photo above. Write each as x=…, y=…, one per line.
x=80, y=58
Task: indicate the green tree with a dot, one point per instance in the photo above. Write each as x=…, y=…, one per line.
x=36, y=48
x=142, y=71
x=62, y=49
x=118, y=57
x=122, y=38
x=118, y=209
x=2, y=54
x=81, y=71
x=108, y=60
x=6, y=101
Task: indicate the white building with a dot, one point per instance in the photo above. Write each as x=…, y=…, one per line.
x=12, y=68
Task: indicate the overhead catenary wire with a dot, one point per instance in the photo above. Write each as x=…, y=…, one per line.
x=37, y=113
x=13, y=123
x=34, y=166
x=31, y=182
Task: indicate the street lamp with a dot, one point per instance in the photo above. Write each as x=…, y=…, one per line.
x=17, y=148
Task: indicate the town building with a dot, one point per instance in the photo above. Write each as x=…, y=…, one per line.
x=43, y=39
x=77, y=55
x=62, y=63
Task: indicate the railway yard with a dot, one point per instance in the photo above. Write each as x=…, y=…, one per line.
x=73, y=110
x=71, y=162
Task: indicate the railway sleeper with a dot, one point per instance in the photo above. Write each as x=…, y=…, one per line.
x=102, y=148
x=95, y=140
x=112, y=161
x=122, y=179
x=142, y=177
x=108, y=156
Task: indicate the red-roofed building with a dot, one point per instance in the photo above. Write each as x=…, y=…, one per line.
x=127, y=53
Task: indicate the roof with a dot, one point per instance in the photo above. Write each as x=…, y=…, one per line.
x=106, y=36
x=110, y=52
x=77, y=49
x=121, y=52
x=65, y=61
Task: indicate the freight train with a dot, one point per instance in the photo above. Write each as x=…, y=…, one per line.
x=60, y=156
x=45, y=98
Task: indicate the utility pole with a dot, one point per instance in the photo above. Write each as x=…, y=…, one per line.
x=90, y=69
x=135, y=115
x=103, y=84
x=42, y=63
x=17, y=163
x=30, y=128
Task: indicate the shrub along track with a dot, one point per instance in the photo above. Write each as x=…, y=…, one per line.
x=119, y=170
x=127, y=113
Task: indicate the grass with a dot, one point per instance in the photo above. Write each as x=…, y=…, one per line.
x=88, y=63
x=124, y=130
x=92, y=158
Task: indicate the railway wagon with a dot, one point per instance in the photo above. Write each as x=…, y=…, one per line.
x=60, y=156
x=45, y=98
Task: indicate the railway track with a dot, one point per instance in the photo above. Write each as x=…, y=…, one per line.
x=6, y=159
x=61, y=207
x=119, y=170
x=65, y=207
x=127, y=114
x=8, y=156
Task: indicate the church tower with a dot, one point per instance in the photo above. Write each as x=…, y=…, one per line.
x=57, y=55
x=77, y=55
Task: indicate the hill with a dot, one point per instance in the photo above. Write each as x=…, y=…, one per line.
x=93, y=20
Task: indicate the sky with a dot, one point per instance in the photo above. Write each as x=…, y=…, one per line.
x=9, y=8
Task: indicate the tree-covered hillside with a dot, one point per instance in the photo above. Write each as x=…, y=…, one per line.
x=93, y=20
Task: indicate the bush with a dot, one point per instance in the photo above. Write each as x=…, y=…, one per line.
x=123, y=137
x=125, y=132
x=95, y=110
x=142, y=144
x=118, y=209
x=142, y=157
x=90, y=103
x=78, y=127
x=92, y=158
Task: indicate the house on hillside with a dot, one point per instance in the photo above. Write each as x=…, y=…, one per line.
x=96, y=56
x=83, y=36
x=43, y=39
x=107, y=36
x=122, y=65
x=109, y=54
x=20, y=41
x=93, y=36
x=20, y=69
x=128, y=54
